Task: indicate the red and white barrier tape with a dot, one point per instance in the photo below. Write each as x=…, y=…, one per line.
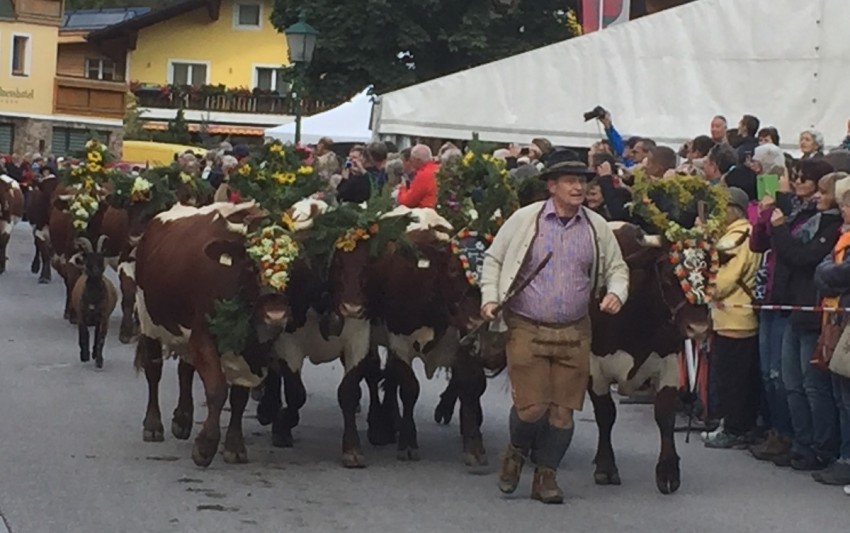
x=771, y=307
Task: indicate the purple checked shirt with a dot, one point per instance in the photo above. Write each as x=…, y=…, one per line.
x=560, y=294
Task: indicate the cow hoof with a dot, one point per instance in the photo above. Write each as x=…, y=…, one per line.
x=181, y=426
x=84, y=356
x=72, y=318
x=203, y=452
x=35, y=266
x=353, y=459
x=667, y=476
x=153, y=435
x=475, y=459
x=444, y=412
x=607, y=478
x=123, y=338
x=408, y=454
x=43, y=281
x=267, y=411
x=235, y=457
x=282, y=440
x=98, y=361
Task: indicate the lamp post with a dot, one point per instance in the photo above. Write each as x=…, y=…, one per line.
x=301, y=39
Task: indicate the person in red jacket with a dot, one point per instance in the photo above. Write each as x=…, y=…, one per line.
x=421, y=191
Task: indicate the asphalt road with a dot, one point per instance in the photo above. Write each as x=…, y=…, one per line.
x=72, y=458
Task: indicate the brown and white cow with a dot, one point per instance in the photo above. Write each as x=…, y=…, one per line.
x=187, y=259
x=641, y=344
x=424, y=304
x=11, y=210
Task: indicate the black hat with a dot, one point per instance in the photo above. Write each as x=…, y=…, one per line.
x=562, y=162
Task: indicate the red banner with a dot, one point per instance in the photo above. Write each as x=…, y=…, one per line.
x=609, y=12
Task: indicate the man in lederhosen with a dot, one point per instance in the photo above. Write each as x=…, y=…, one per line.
x=548, y=322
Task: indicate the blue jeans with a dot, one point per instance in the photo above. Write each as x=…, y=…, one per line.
x=810, y=398
x=775, y=402
x=841, y=388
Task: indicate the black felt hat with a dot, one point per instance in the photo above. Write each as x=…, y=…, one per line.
x=563, y=162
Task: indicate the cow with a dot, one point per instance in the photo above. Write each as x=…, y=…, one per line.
x=11, y=210
x=187, y=260
x=641, y=344
x=427, y=323
x=38, y=213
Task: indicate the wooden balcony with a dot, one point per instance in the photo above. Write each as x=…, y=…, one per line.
x=81, y=96
x=224, y=102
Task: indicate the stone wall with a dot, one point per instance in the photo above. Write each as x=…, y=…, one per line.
x=32, y=135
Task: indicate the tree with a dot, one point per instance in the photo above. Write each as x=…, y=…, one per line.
x=133, y=120
x=394, y=43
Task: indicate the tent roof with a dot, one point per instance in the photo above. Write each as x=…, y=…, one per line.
x=348, y=122
x=663, y=76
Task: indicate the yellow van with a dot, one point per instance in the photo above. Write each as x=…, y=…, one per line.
x=153, y=154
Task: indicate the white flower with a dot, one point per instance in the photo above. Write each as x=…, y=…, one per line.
x=141, y=185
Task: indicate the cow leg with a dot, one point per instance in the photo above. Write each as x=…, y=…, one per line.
x=44, y=252
x=348, y=396
x=381, y=424
x=287, y=417
x=270, y=402
x=408, y=445
x=36, y=260
x=234, y=442
x=468, y=375
x=184, y=413
x=83, y=334
x=4, y=242
x=667, y=476
x=99, y=340
x=605, y=412
x=149, y=357
x=206, y=361
x=129, y=328
x=446, y=407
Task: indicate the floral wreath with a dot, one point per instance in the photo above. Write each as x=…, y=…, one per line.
x=475, y=192
x=482, y=242
x=695, y=263
x=274, y=251
x=82, y=208
x=347, y=242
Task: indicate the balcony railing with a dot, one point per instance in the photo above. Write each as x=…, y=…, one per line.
x=219, y=99
x=82, y=96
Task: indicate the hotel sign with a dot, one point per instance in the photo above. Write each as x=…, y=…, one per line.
x=17, y=93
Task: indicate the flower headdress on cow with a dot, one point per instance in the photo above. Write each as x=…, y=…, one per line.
x=87, y=180
x=475, y=194
x=671, y=206
x=149, y=192
x=276, y=177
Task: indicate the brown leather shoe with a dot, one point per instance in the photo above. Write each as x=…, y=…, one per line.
x=545, y=488
x=512, y=463
x=775, y=445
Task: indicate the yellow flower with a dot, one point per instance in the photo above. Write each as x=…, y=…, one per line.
x=261, y=175
x=486, y=157
x=185, y=178
x=287, y=178
x=305, y=170
x=346, y=243
x=286, y=220
x=245, y=169
x=93, y=168
x=276, y=149
x=95, y=157
x=467, y=159
x=88, y=184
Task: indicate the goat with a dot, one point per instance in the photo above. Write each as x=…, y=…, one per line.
x=93, y=299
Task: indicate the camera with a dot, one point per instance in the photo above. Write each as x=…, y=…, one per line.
x=597, y=112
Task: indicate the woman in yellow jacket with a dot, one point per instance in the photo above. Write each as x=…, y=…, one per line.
x=735, y=355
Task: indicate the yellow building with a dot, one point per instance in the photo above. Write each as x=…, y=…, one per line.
x=30, y=119
x=220, y=61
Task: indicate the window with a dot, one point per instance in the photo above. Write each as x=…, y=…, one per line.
x=194, y=74
x=7, y=138
x=270, y=79
x=247, y=16
x=71, y=141
x=20, y=55
x=100, y=69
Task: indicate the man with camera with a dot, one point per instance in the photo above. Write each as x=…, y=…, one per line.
x=614, y=138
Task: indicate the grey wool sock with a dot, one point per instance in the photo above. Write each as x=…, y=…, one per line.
x=523, y=434
x=553, y=445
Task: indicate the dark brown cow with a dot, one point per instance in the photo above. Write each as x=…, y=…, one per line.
x=11, y=210
x=425, y=304
x=187, y=260
x=38, y=214
x=641, y=344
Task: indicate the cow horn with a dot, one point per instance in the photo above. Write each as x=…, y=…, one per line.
x=84, y=244
x=100, y=242
x=651, y=241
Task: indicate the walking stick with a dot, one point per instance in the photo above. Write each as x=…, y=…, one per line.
x=467, y=339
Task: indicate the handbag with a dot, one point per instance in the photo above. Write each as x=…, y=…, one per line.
x=839, y=363
x=830, y=337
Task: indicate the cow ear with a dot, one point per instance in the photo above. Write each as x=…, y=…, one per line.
x=225, y=252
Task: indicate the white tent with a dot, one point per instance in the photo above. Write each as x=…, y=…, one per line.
x=348, y=122
x=663, y=76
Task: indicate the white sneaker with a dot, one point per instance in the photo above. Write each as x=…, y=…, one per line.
x=711, y=435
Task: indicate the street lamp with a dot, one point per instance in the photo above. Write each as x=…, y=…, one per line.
x=301, y=39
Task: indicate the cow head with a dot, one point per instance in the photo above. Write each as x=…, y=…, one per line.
x=348, y=281
x=693, y=320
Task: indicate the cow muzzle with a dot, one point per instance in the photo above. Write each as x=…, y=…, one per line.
x=347, y=310
x=697, y=332
x=275, y=317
